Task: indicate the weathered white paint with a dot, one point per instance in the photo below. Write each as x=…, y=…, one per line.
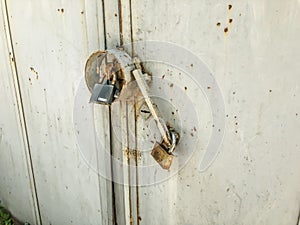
x=254, y=180
x=17, y=192
x=50, y=67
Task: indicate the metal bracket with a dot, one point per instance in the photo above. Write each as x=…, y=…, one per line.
x=102, y=83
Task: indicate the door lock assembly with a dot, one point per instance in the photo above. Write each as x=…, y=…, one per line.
x=109, y=75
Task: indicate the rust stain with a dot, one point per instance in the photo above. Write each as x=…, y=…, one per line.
x=132, y=153
x=136, y=163
x=120, y=22
x=11, y=57
x=35, y=73
x=230, y=20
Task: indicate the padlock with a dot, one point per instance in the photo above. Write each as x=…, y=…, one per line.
x=162, y=157
x=103, y=93
x=163, y=154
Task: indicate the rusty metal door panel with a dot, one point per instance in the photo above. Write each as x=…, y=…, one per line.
x=51, y=42
x=252, y=49
x=17, y=191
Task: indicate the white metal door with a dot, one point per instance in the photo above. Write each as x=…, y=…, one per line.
x=252, y=50
x=50, y=42
x=248, y=50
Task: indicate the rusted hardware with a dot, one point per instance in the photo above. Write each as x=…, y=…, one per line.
x=109, y=75
x=162, y=154
x=139, y=77
x=105, y=91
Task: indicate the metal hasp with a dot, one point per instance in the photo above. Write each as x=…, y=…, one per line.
x=162, y=152
x=106, y=72
x=108, y=76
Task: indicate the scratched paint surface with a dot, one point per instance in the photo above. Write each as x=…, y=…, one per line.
x=15, y=190
x=51, y=43
x=252, y=49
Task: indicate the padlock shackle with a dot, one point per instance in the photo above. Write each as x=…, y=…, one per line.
x=173, y=142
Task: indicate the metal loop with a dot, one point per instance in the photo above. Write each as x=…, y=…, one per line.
x=173, y=142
